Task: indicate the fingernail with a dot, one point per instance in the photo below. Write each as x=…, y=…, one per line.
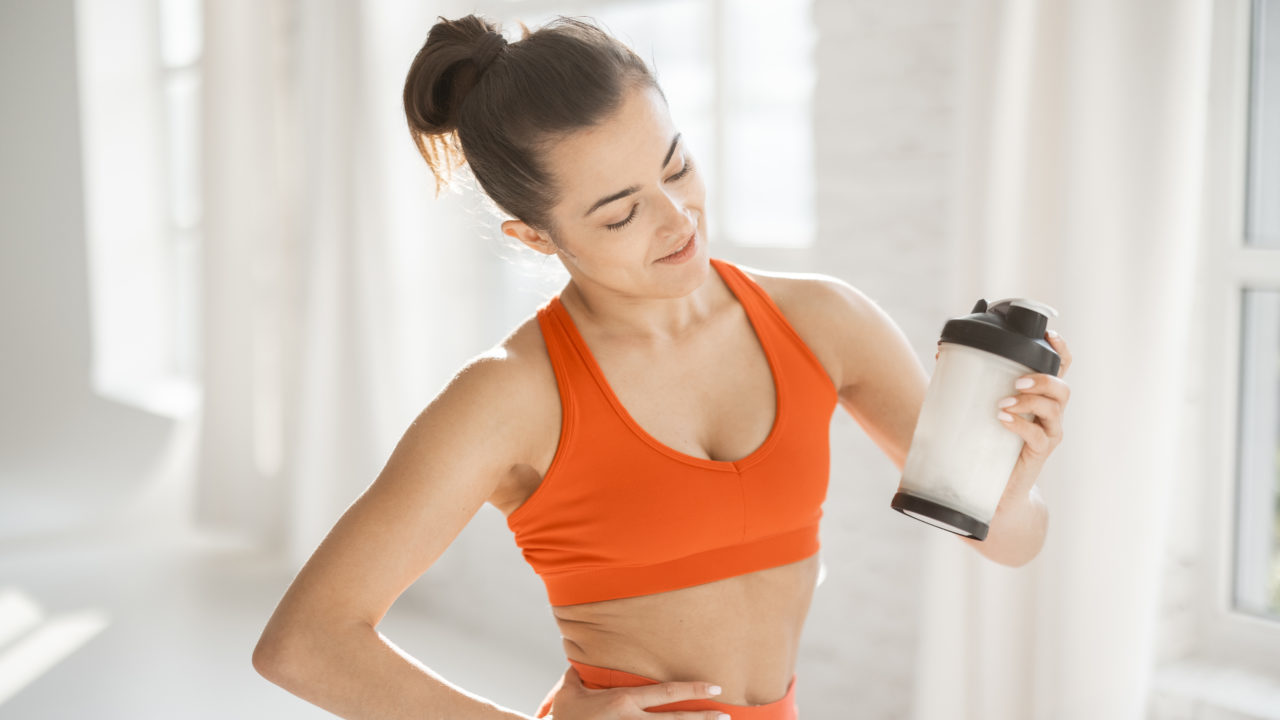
x=1053, y=333
x=1024, y=383
x=723, y=716
x=1004, y=416
x=714, y=689
x=1007, y=402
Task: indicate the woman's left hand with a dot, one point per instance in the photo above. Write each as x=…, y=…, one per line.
x=1046, y=400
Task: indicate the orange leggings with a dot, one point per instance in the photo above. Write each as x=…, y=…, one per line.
x=598, y=678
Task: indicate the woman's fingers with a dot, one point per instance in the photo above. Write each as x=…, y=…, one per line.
x=668, y=692
x=575, y=701
x=647, y=696
x=1060, y=346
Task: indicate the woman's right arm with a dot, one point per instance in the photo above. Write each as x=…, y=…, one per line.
x=321, y=643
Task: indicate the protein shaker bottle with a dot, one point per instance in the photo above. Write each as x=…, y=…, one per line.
x=961, y=456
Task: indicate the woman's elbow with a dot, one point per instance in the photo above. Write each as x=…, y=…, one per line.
x=276, y=658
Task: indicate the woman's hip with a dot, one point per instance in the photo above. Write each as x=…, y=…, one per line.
x=600, y=678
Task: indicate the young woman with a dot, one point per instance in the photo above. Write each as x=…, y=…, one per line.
x=656, y=434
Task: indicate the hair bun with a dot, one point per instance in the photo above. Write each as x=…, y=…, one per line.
x=568, y=75
x=488, y=48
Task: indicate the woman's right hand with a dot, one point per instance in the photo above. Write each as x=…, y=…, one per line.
x=575, y=701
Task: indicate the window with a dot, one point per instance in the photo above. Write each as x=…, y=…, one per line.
x=139, y=68
x=1257, y=546
x=1238, y=615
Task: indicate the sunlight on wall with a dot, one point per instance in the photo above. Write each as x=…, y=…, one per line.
x=31, y=644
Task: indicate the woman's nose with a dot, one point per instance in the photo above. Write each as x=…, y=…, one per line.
x=681, y=221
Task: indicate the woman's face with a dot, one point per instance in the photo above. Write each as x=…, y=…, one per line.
x=630, y=195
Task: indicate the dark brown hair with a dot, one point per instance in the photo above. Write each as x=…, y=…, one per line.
x=470, y=96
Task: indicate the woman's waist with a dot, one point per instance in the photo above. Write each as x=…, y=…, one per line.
x=753, y=660
x=741, y=706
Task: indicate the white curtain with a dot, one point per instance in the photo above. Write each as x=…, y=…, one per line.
x=332, y=278
x=1079, y=184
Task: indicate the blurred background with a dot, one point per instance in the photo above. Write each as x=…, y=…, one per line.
x=228, y=289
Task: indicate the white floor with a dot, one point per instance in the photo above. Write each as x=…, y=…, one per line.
x=179, y=615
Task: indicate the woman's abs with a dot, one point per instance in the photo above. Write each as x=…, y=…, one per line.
x=741, y=633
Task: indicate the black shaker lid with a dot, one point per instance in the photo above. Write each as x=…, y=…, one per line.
x=1012, y=328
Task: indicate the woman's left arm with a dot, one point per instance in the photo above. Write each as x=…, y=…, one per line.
x=882, y=384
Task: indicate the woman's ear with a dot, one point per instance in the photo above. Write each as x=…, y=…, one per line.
x=521, y=231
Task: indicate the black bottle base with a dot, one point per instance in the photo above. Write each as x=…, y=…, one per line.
x=939, y=516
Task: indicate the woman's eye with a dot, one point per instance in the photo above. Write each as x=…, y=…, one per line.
x=688, y=168
x=624, y=223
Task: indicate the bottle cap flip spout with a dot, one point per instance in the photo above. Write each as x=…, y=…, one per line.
x=1012, y=328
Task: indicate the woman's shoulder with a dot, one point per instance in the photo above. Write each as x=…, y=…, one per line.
x=526, y=373
x=825, y=311
x=504, y=367
x=530, y=380
x=806, y=289
x=510, y=388
x=524, y=347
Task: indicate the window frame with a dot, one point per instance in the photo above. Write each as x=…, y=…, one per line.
x=1223, y=635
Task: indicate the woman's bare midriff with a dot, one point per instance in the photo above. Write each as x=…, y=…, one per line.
x=741, y=633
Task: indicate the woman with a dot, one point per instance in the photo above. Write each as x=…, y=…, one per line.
x=656, y=434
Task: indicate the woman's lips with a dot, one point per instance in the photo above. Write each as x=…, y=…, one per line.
x=683, y=250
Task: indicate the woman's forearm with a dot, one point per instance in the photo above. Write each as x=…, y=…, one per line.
x=358, y=673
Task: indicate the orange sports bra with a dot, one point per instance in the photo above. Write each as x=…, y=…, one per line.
x=619, y=514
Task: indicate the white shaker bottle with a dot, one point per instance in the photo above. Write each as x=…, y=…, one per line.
x=961, y=455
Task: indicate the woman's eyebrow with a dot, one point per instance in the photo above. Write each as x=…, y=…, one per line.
x=634, y=188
